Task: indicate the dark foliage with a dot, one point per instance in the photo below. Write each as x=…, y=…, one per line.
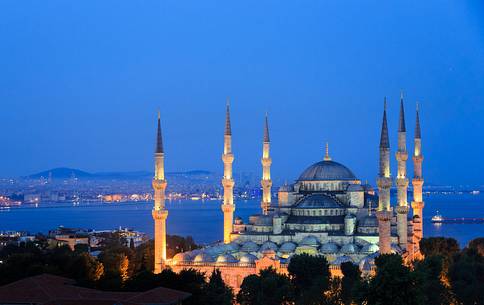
x=310, y=276
x=267, y=288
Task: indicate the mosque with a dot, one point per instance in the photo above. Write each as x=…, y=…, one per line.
x=326, y=211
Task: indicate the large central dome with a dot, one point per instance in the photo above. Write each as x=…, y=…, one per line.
x=327, y=170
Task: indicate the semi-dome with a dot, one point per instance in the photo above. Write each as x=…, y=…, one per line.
x=248, y=259
x=317, y=201
x=226, y=258
x=309, y=241
x=268, y=245
x=329, y=248
x=327, y=170
x=203, y=258
x=249, y=246
x=370, y=248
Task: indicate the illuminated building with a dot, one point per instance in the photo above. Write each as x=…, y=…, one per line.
x=327, y=211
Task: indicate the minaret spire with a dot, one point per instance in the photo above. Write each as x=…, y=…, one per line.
x=266, y=131
x=401, y=120
x=384, y=182
x=228, y=206
x=228, y=127
x=159, y=212
x=402, y=181
x=384, y=140
x=159, y=139
x=266, y=181
x=417, y=182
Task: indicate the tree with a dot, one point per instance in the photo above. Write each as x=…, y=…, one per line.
x=393, y=283
x=191, y=281
x=216, y=292
x=478, y=245
x=79, y=248
x=466, y=276
x=86, y=269
x=429, y=276
x=267, y=288
x=351, y=276
x=310, y=276
x=440, y=246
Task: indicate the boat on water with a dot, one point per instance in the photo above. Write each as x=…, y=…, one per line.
x=440, y=219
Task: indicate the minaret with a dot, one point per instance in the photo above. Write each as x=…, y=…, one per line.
x=402, y=181
x=159, y=212
x=228, y=205
x=266, y=181
x=417, y=182
x=384, y=181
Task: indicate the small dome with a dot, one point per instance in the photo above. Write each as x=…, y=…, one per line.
x=368, y=221
x=309, y=241
x=315, y=201
x=249, y=246
x=203, y=258
x=248, y=259
x=287, y=247
x=329, y=248
x=311, y=250
x=226, y=258
x=342, y=259
x=232, y=247
x=268, y=245
x=326, y=170
x=349, y=248
x=370, y=248
x=215, y=250
x=182, y=257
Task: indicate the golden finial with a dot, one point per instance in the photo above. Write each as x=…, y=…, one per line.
x=326, y=156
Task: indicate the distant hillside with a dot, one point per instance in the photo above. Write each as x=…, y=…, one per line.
x=66, y=173
x=61, y=173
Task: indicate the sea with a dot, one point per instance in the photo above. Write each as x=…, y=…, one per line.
x=203, y=219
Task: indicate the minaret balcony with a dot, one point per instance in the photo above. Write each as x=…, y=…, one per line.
x=228, y=208
x=159, y=185
x=228, y=183
x=159, y=214
x=402, y=209
x=401, y=182
x=266, y=161
x=384, y=182
x=266, y=183
x=417, y=205
x=401, y=156
x=228, y=158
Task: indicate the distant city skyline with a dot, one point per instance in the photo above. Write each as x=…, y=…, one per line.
x=82, y=89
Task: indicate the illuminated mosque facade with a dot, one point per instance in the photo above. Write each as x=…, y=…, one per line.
x=327, y=211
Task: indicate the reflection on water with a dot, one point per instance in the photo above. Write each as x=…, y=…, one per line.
x=203, y=219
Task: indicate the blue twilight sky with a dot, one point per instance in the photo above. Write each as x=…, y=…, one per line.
x=81, y=82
